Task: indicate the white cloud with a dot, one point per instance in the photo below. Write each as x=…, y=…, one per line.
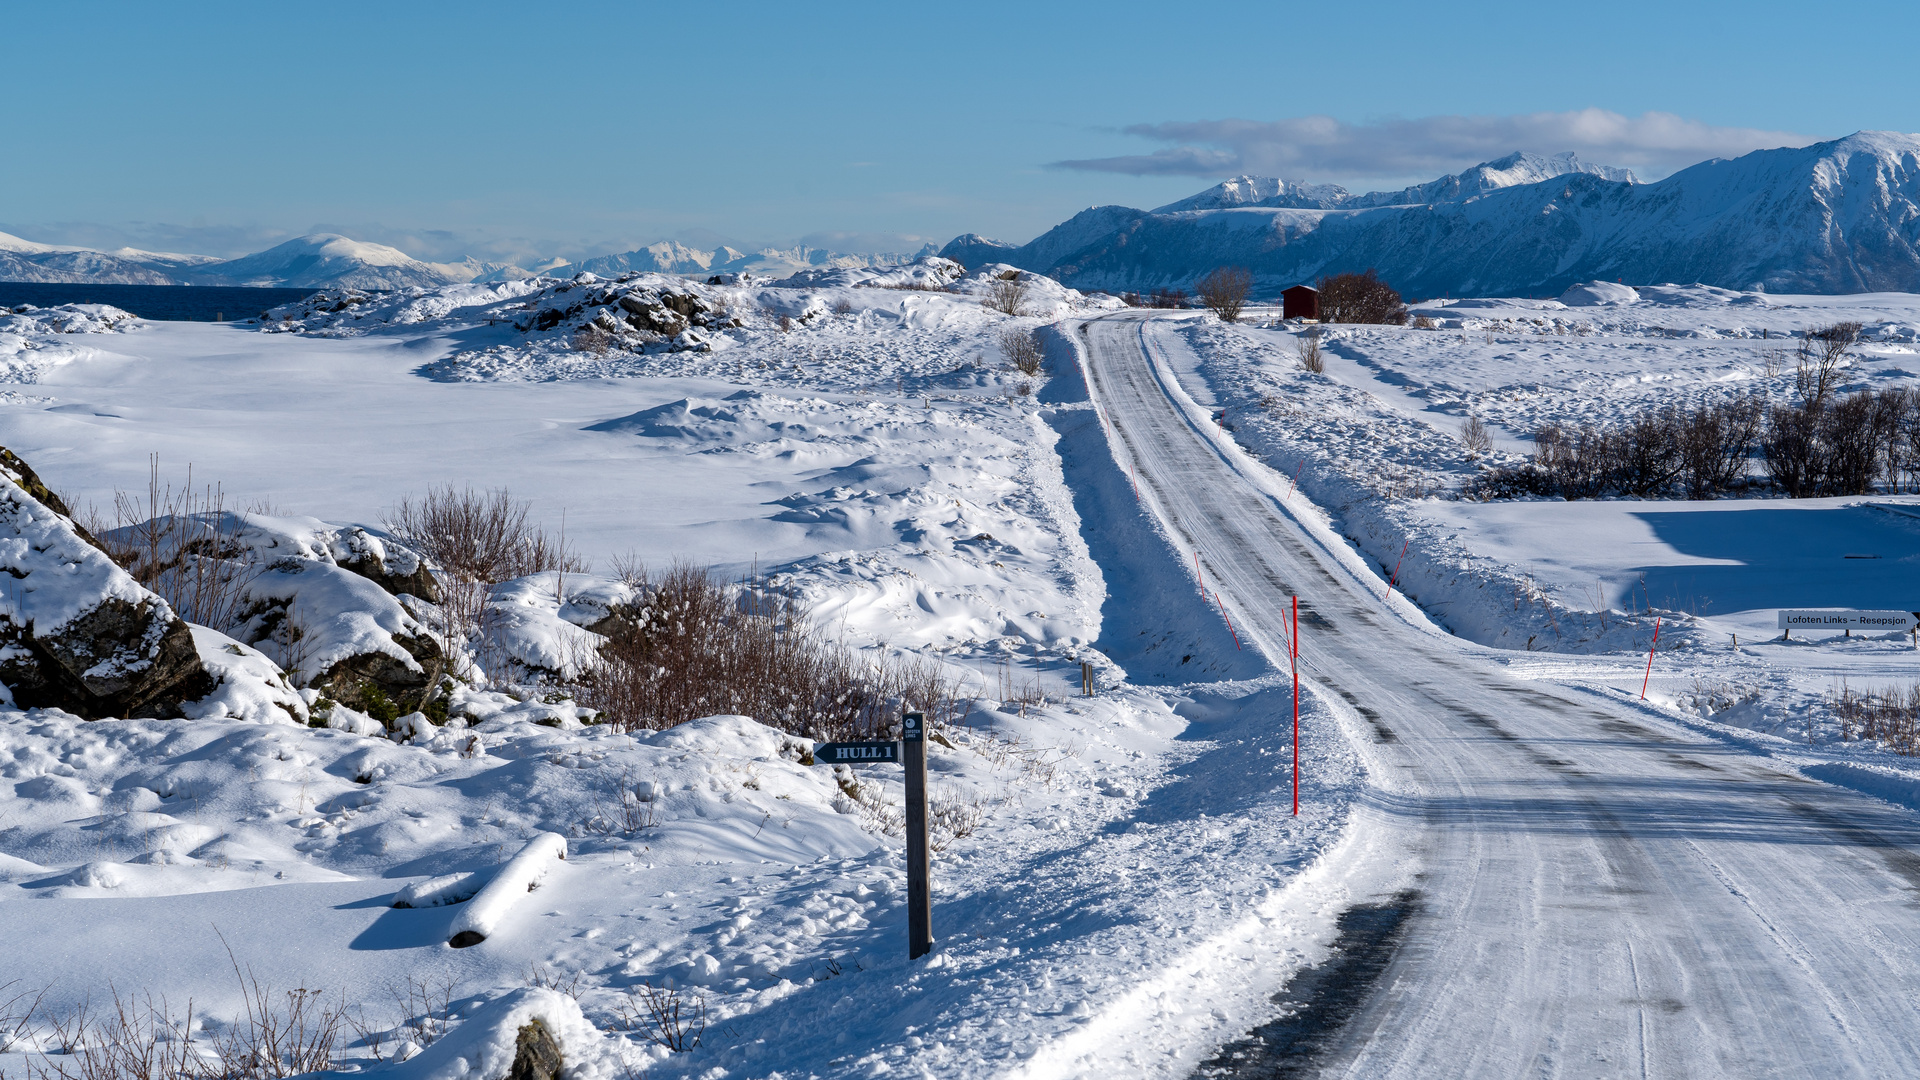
x=1652, y=144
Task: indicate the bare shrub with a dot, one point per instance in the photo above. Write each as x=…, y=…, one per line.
x=17, y=1012
x=272, y=1042
x=1700, y=454
x=480, y=536
x=1006, y=295
x=672, y=1018
x=1167, y=298
x=844, y=307
x=1716, y=443
x=1841, y=446
x=1890, y=716
x=1309, y=346
x=952, y=816
x=700, y=647
x=184, y=546
x=1224, y=291
x=1360, y=298
x=1424, y=322
x=592, y=338
x=1475, y=436
x=1021, y=349
x=132, y=1041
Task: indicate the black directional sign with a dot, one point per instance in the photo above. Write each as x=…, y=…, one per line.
x=856, y=753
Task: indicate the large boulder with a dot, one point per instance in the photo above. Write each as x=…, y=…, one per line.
x=343, y=634
x=76, y=631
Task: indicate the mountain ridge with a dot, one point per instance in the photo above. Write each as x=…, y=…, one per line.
x=1832, y=217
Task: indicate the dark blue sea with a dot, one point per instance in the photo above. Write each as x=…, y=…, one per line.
x=172, y=303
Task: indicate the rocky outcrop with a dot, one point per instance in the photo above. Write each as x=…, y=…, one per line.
x=343, y=634
x=76, y=631
x=632, y=313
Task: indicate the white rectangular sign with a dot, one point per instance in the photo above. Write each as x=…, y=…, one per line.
x=1881, y=621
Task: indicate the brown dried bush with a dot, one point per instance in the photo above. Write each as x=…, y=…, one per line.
x=700, y=647
x=1360, y=298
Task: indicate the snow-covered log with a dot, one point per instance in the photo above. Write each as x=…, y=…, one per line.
x=442, y=890
x=521, y=875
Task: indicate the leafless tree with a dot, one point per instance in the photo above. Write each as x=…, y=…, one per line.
x=1225, y=290
x=1360, y=298
x=1819, y=355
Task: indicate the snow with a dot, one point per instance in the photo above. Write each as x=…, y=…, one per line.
x=1831, y=217
x=483, y=913
x=1121, y=886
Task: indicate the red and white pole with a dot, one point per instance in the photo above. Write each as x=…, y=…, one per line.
x=1296, y=705
x=1656, y=644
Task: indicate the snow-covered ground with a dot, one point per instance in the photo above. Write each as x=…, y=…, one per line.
x=1111, y=865
x=1376, y=441
x=881, y=459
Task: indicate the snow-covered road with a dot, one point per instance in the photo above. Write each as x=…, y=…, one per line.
x=1595, y=890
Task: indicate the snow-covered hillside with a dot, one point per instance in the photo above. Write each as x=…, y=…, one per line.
x=1833, y=217
x=329, y=259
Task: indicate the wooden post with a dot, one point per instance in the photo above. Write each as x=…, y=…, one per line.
x=1086, y=677
x=913, y=736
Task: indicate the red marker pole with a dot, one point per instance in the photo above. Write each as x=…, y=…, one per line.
x=1396, y=570
x=1656, y=645
x=1296, y=477
x=1224, y=615
x=1296, y=706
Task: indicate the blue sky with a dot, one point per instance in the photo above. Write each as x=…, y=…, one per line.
x=526, y=130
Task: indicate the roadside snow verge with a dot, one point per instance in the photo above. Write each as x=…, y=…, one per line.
x=1151, y=1031
x=1898, y=788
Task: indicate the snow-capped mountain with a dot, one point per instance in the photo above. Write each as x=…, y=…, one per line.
x=672, y=257
x=1833, y=217
x=1510, y=171
x=329, y=259
x=25, y=260
x=324, y=260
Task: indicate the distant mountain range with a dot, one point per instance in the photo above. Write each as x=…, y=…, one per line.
x=325, y=260
x=1833, y=217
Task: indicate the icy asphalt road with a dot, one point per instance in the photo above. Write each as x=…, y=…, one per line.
x=1599, y=892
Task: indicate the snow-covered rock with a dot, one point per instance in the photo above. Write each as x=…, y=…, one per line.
x=341, y=632
x=76, y=631
x=67, y=319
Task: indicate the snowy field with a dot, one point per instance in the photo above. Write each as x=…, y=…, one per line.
x=858, y=436
x=885, y=462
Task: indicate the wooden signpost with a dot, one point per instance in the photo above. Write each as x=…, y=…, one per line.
x=911, y=752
